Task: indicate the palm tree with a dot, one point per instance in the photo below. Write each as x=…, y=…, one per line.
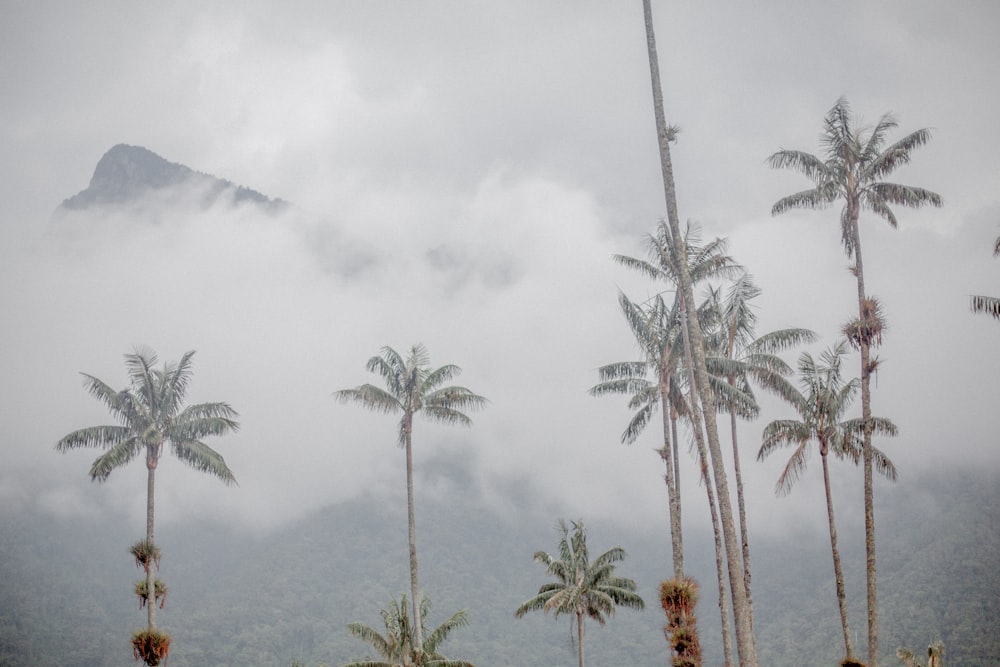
x=851, y=169
x=412, y=386
x=744, y=357
x=151, y=412
x=746, y=644
x=582, y=588
x=396, y=646
x=988, y=304
x=821, y=405
x=656, y=330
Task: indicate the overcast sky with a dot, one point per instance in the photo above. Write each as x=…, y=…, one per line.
x=469, y=168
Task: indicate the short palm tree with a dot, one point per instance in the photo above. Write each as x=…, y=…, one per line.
x=411, y=387
x=396, y=648
x=821, y=407
x=852, y=168
x=582, y=588
x=150, y=413
x=988, y=304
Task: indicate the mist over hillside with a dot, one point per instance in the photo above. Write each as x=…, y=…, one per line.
x=239, y=598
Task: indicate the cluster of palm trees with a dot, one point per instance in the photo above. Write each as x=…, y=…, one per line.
x=698, y=360
x=852, y=169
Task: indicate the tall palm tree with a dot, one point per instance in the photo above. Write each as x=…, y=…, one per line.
x=746, y=644
x=744, y=358
x=396, y=646
x=150, y=413
x=852, y=168
x=821, y=405
x=582, y=588
x=988, y=304
x=656, y=330
x=411, y=387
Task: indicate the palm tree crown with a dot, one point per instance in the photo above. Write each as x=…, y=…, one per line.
x=396, y=646
x=582, y=588
x=412, y=386
x=151, y=412
x=852, y=167
x=821, y=405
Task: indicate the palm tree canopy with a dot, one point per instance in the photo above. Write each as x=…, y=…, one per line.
x=412, y=386
x=395, y=647
x=821, y=404
x=582, y=587
x=151, y=412
x=988, y=304
x=852, y=168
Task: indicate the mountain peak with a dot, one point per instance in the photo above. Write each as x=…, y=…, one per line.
x=127, y=173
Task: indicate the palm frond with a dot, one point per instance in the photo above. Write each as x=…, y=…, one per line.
x=370, y=396
x=815, y=198
x=203, y=458
x=884, y=163
x=805, y=163
x=990, y=305
x=119, y=455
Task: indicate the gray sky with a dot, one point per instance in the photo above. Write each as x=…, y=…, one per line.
x=485, y=160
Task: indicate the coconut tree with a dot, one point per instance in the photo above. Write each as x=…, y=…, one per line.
x=396, y=647
x=151, y=413
x=821, y=405
x=411, y=387
x=582, y=588
x=746, y=644
x=851, y=169
x=988, y=304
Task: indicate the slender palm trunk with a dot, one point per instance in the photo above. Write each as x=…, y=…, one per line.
x=866, y=418
x=151, y=460
x=677, y=462
x=411, y=520
x=727, y=639
x=741, y=506
x=672, y=495
x=745, y=642
x=838, y=573
x=699, y=438
x=579, y=636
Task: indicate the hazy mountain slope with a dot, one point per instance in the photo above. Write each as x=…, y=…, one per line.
x=128, y=174
x=236, y=599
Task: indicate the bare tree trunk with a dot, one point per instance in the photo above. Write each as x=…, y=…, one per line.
x=671, y=481
x=741, y=505
x=411, y=519
x=866, y=419
x=579, y=636
x=151, y=460
x=838, y=572
x=727, y=640
x=695, y=410
x=745, y=642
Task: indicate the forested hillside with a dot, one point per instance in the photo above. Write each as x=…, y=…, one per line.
x=240, y=599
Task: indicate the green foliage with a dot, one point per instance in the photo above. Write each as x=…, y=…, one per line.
x=396, y=647
x=151, y=412
x=245, y=598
